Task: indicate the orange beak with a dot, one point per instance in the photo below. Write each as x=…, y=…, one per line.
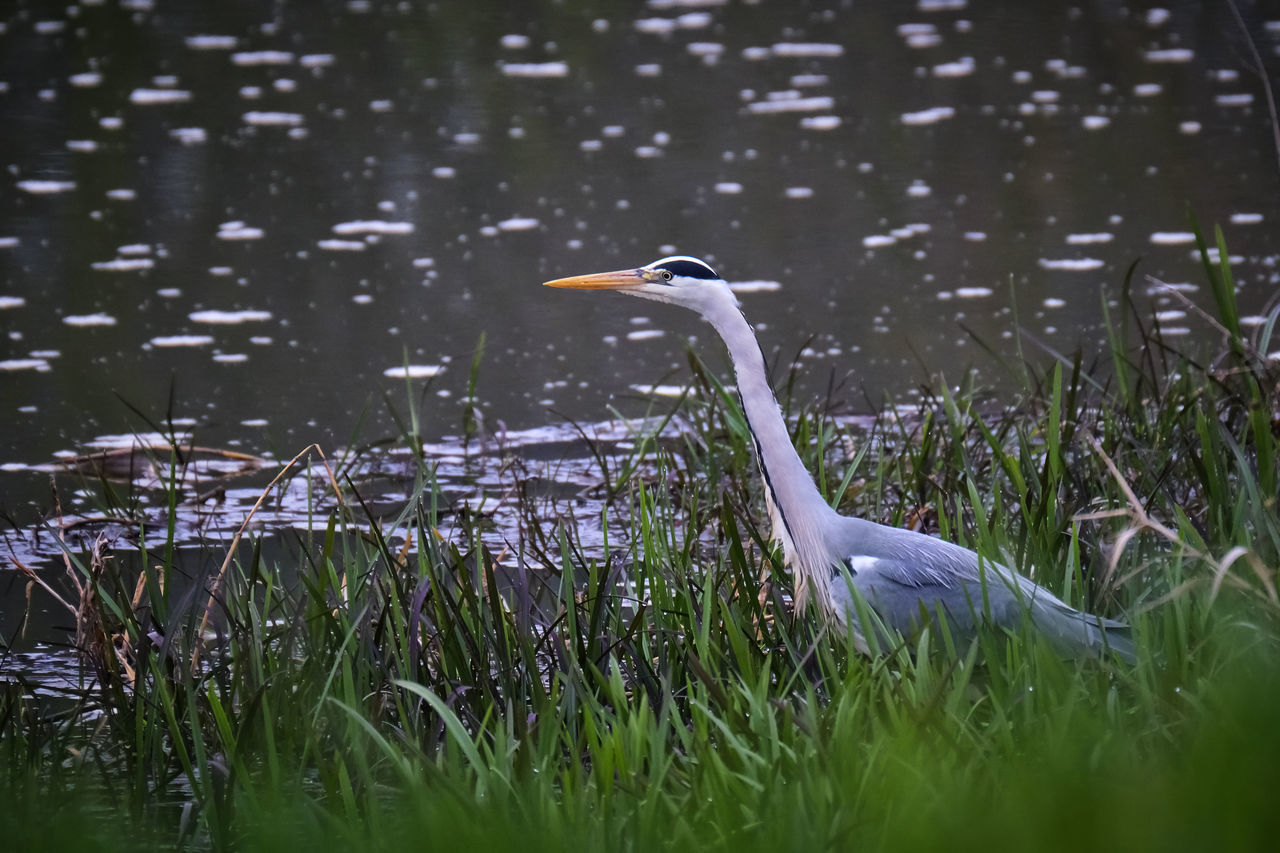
x=619, y=280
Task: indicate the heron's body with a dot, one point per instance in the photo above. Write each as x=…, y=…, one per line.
x=899, y=573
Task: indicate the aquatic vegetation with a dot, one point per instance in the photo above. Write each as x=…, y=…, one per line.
x=637, y=679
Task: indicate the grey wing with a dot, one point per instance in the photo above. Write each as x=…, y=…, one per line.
x=904, y=593
x=969, y=591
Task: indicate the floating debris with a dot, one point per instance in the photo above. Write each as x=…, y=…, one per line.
x=124, y=265
x=373, y=226
x=414, y=371
x=181, y=341
x=262, y=57
x=229, y=317
x=89, y=320
x=755, y=286
x=40, y=365
x=239, y=231
x=929, y=116
x=1072, y=264
x=805, y=50
x=210, y=42
x=268, y=118
x=159, y=96
x=334, y=245
x=534, y=69
x=46, y=187
x=792, y=105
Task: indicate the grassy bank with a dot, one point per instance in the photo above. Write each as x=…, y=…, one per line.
x=665, y=696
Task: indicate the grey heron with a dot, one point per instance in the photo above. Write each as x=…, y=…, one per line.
x=836, y=559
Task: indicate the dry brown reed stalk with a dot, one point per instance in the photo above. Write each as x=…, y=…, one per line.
x=1141, y=520
x=235, y=540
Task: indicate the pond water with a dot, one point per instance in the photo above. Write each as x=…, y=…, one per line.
x=247, y=220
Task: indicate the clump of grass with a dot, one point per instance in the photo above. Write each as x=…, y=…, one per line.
x=663, y=694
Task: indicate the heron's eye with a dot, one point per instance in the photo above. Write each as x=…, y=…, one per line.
x=666, y=275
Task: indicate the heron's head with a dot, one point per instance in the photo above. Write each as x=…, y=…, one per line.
x=678, y=279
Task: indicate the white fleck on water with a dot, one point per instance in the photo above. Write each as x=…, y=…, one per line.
x=1190, y=128
x=929, y=116
x=373, y=226
x=1071, y=264
x=444, y=172
x=11, y=302
x=159, y=96
x=189, y=135
x=648, y=69
x=644, y=334
x=9, y=242
x=1172, y=238
x=316, y=60
x=1086, y=239
x=39, y=365
x=230, y=357
x=656, y=26
x=757, y=286
x=333, y=245
x=534, y=69
x=962, y=67
x=1147, y=90
x=1095, y=122
x=124, y=265
x=85, y=79
x=514, y=41
x=89, y=320
x=82, y=146
x=414, y=371
x=1241, y=99
x=518, y=223
x=262, y=57
x=46, y=187
x=210, y=42
x=229, y=317
x=1054, y=302
x=876, y=241
x=1170, y=54
x=272, y=118
x=728, y=188
x=792, y=105
x=239, y=231
x=805, y=50
x=800, y=80
x=919, y=189
x=181, y=341
x=973, y=292
x=799, y=192
x=1156, y=16
x=820, y=122
x=975, y=236
x=660, y=390
x=1246, y=218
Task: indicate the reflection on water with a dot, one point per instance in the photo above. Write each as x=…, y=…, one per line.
x=259, y=221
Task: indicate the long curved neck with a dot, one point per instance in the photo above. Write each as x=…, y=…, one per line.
x=796, y=503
